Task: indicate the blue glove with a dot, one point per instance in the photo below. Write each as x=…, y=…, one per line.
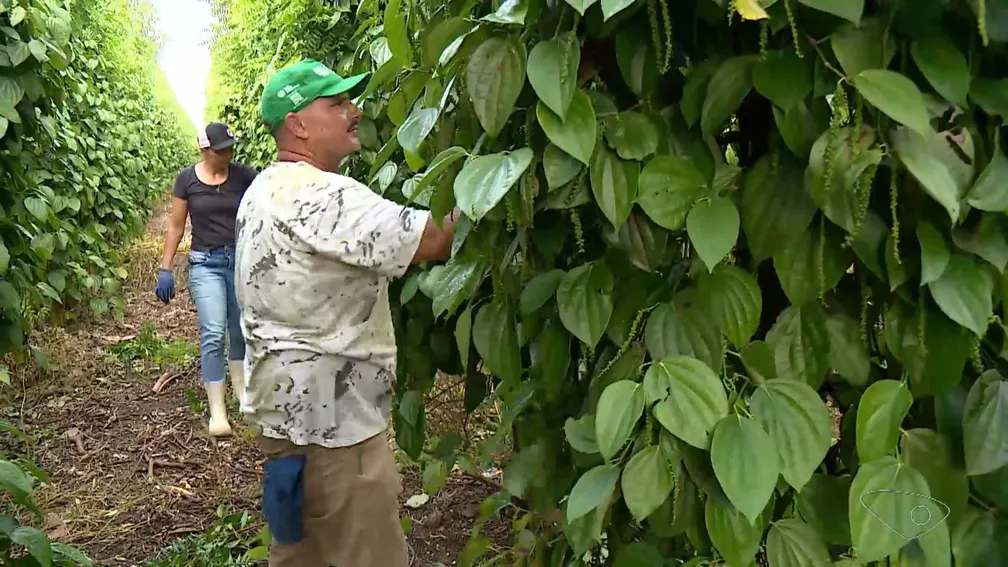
x=165, y=289
x=283, y=498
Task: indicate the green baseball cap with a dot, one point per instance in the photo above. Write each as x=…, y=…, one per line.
x=296, y=86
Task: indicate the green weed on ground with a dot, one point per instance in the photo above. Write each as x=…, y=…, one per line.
x=150, y=347
x=237, y=539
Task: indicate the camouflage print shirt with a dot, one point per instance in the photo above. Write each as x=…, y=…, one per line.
x=315, y=252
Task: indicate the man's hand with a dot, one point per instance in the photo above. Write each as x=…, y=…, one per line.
x=435, y=244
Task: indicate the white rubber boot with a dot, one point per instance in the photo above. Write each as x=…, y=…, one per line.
x=219, y=426
x=236, y=369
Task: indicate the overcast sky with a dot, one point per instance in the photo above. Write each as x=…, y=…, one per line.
x=185, y=57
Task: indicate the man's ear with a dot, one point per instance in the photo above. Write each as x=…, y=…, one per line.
x=296, y=125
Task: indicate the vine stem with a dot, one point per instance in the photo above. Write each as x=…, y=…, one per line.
x=815, y=45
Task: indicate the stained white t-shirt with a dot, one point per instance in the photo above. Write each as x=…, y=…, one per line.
x=315, y=253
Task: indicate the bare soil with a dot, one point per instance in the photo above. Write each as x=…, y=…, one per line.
x=132, y=469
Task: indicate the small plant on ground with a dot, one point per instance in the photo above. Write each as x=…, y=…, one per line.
x=150, y=347
x=237, y=539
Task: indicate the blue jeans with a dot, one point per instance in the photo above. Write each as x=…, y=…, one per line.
x=211, y=284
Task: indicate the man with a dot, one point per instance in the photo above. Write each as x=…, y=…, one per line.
x=316, y=251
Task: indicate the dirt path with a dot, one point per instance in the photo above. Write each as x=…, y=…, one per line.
x=132, y=469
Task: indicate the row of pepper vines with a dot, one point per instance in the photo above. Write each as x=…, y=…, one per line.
x=90, y=136
x=695, y=232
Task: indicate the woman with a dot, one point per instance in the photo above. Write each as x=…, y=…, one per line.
x=208, y=193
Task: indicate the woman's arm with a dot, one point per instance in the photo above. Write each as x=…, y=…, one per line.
x=176, y=228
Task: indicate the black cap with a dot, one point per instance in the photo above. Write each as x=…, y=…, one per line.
x=216, y=136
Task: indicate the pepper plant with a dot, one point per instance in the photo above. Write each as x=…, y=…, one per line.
x=90, y=137
x=734, y=271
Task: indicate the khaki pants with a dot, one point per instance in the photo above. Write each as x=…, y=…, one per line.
x=351, y=511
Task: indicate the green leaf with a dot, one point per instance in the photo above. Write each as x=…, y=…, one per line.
x=561, y=168
x=841, y=198
x=783, y=78
x=695, y=89
x=619, y=410
x=775, y=207
x=538, y=291
x=450, y=284
x=802, y=124
x=17, y=15
x=668, y=188
x=799, y=425
x=798, y=267
x=614, y=184
x=510, y=12
x=612, y=7
x=36, y=542
x=985, y=238
x=821, y=504
x=4, y=258
x=644, y=243
x=990, y=193
x=684, y=327
x=690, y=398
x=887, y=502
x=934, y=252
x=647, y=480
x=848, y=356
x=896, y=96
x=858, y=48
x=801, y=344
x=963, y=292
x=416, y=127
x=741, y=440
x=18, y=52
x=37, y=207
x=943, y=66
x=638, y=554
x=985, y=422
x=713, y=228
x=636, y=61
x=463, y=335
x=758, y=358
x=846, y=9
x=574, y=134
x=580, y=434
x=733, y=535
x=552, y=71
x=584, y=298
x=733, y=296
x=729, y=85
x=632, y=135
x=38, y=50
x=919, y=155
x=62, y=550
x=989, y=95
x=880, y=413
x=15, y=481
x=581, y=5
x=792, y=542
x=496, y=341
x=551, y=358
x=485, y=180
x=928, y=452
x=975, y=543
x=494, y=77
x=591, y=490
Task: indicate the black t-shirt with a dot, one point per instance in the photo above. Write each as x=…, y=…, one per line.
x=212, y=208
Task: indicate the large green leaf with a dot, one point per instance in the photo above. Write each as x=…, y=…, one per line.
x=985, y=424
x=963, y=292
x=985, y=238
x=575, y=133
x=551, y=358
x=783, y=77
x=614, y=184
x=821, y=503
x=775, y=208
x=733, y=535
x=647, y=481
x=552, y=71
x=848, y=356
x=416, y=127
x=799, y=424
x=495, y=76
x=592, y=490
x=990, y=193
x=452, y=283
x=921, y=157
x=858, y=48
x=889, y=503
x=733, y=295
x=684, y=327
x=928, y=452
x=36, y=542
x=943, y=66
x=619, y=409
x=800, y=343
x=538, y=291
x=584, y=298
x=396, y=32
x=485, y=180
x=880, y=413
x=581, y=5
x=844, y=8
x=743, y=458
x=632, y=134
x=850, y=160
x=560, y=167
x=895, y=95
x=793, y=543
x=934, y=252
x=729, y=85
x=798, y=266
x=689, y=396
x=496, y=341
x=713, y=228
x=668, y=188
